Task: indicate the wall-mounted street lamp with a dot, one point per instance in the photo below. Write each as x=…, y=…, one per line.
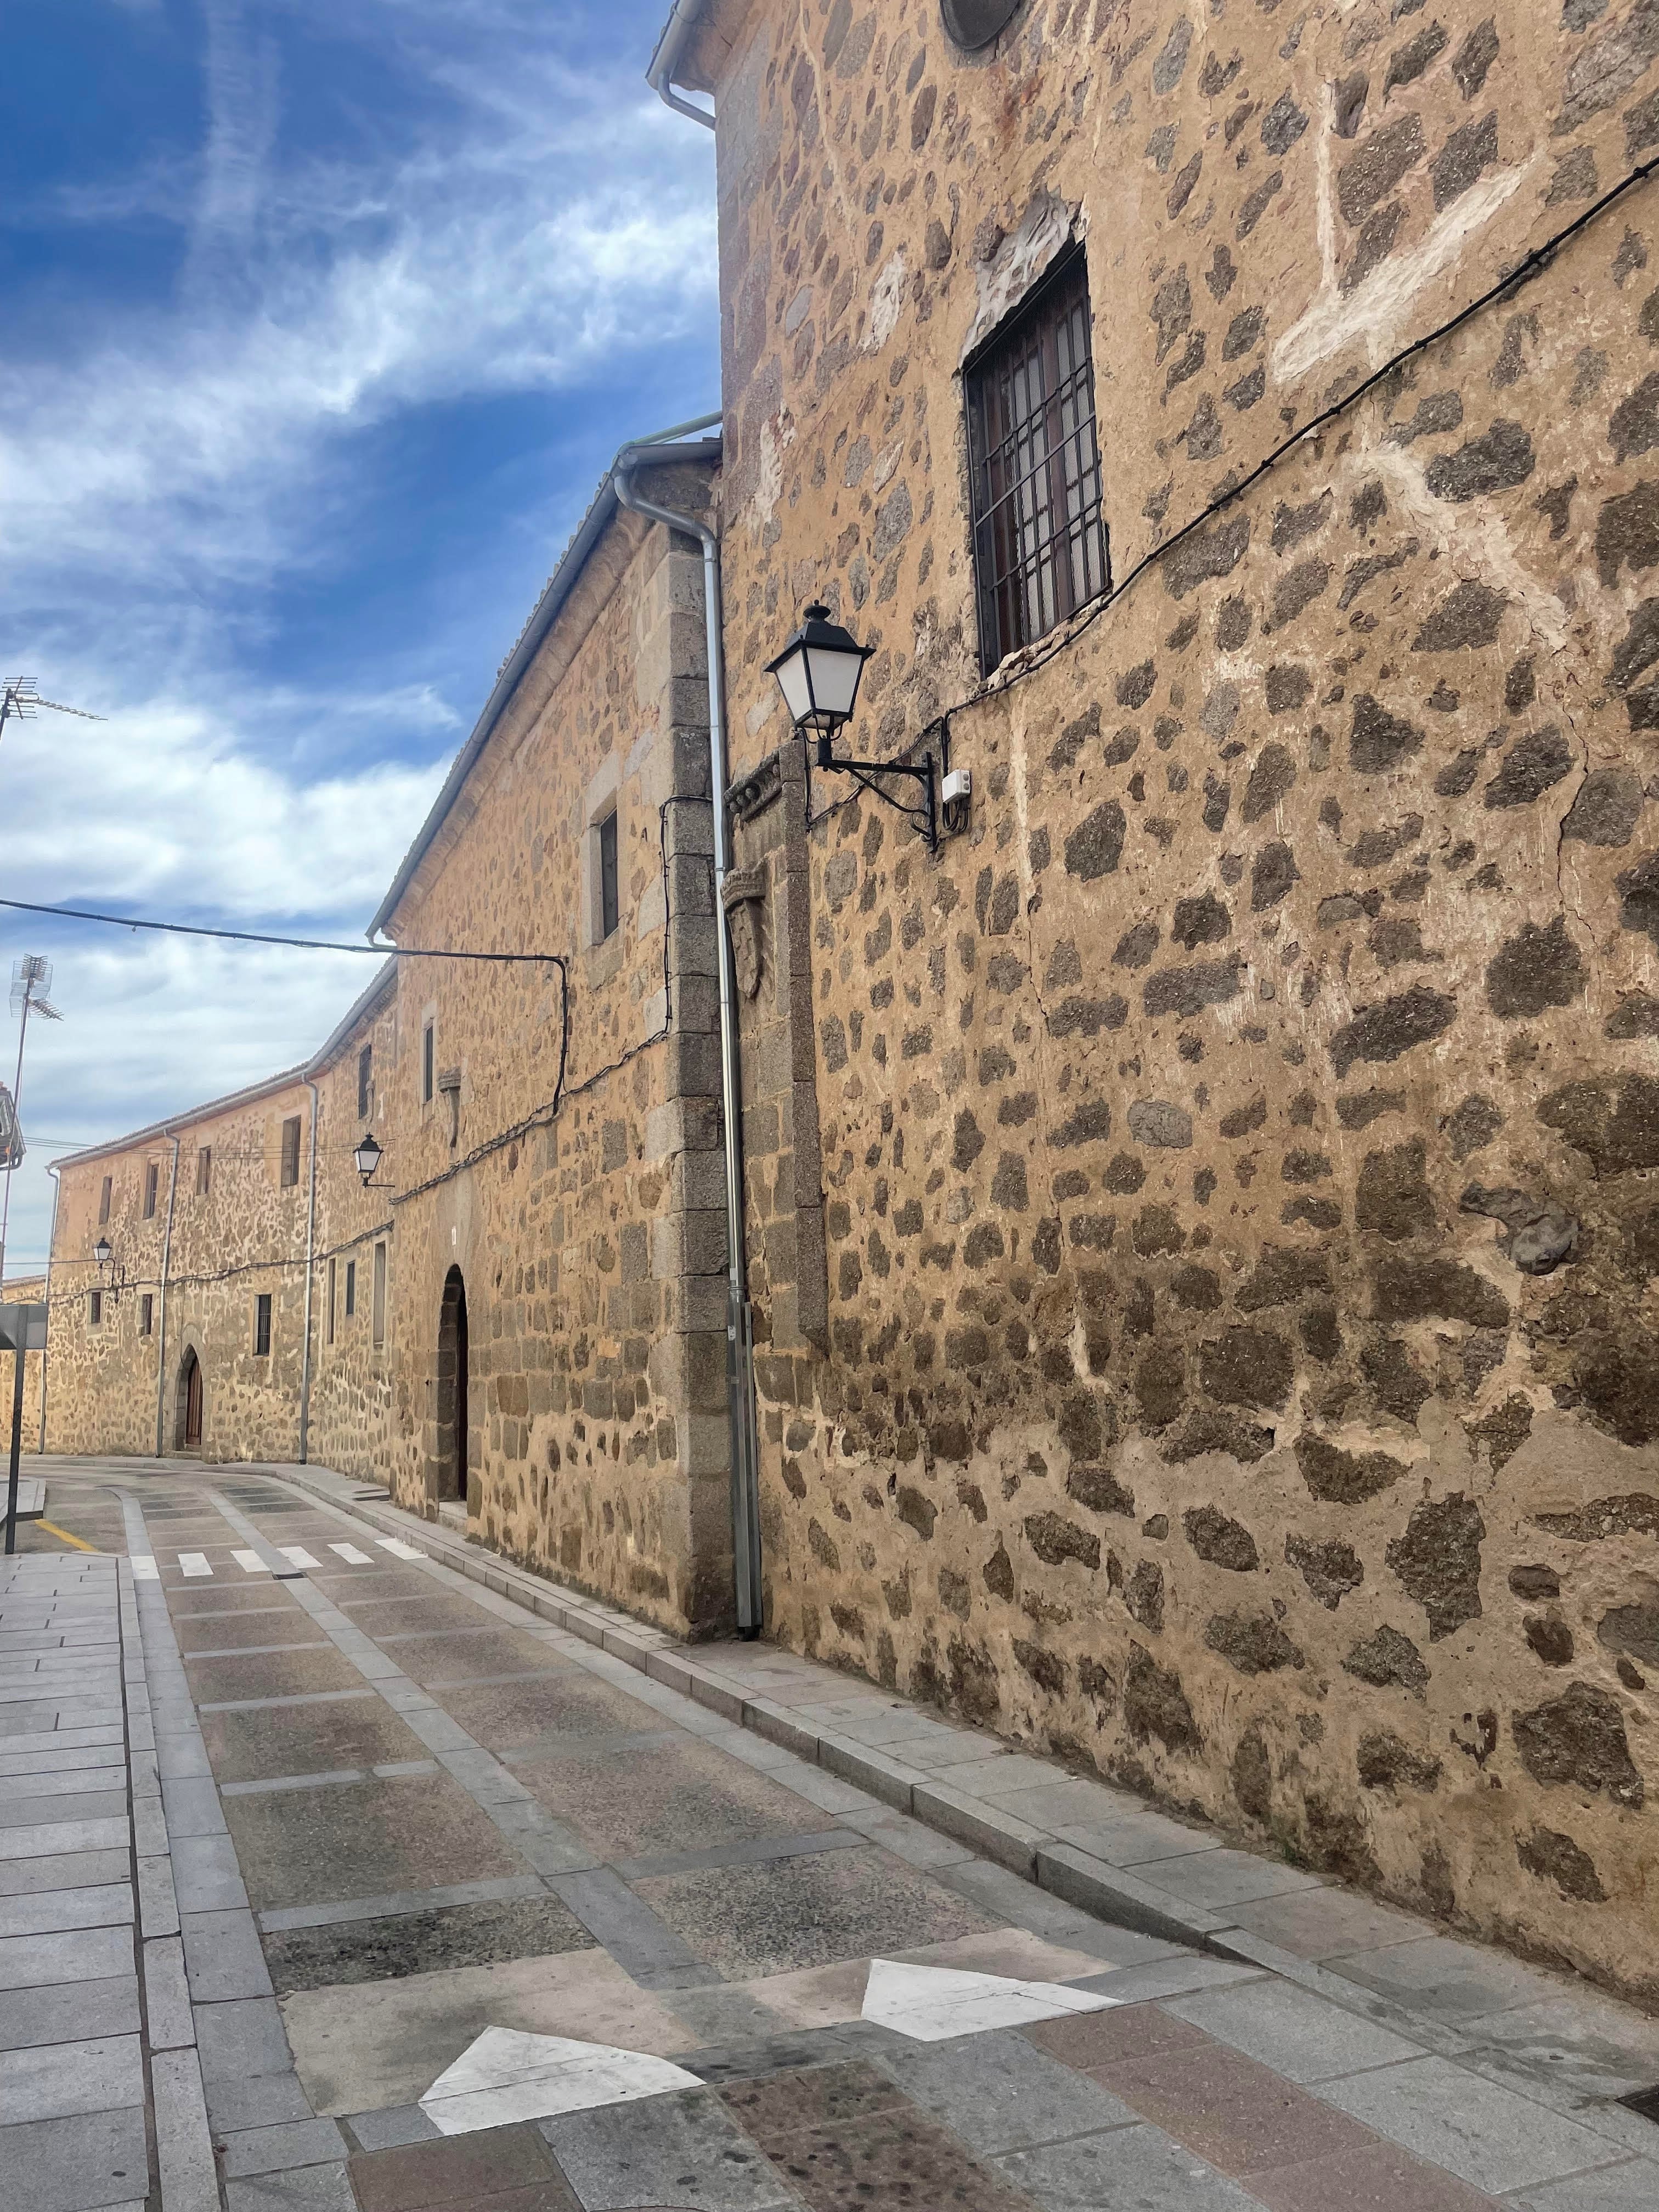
x=818, y=672
x=113, y=1280
x=102, y=1253
x=367, y=1157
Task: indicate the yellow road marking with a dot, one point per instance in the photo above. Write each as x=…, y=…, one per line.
x=53, y=1529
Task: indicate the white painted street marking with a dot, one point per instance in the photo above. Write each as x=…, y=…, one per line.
x=399, y=1550
x=931, y=2003
x=297, y=1555
x=250, y=1563
x=145, y=1568
x=351, y=1555
x=195, y=1562
x=508, y=2076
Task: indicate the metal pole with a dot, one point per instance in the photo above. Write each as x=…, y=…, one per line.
x=17, y=1359
x=17, y=1114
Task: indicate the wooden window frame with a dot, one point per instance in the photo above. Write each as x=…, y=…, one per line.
x=377, y=1299
x=1040, y=548
x=203, y=1170
x=365, y=1082
x=261, y=1301
x=95, y=1309
x=333, y=1266
x=351, y=1290
x=289, y=1176
x=152, y=1188
x=146, y=1313
x=428, y=1061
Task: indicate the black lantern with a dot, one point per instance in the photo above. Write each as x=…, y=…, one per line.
x=367, y=1157
x=818, y=673
x=102, y=1253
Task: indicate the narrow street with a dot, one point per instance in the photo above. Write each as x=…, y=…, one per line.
x=402, y=1814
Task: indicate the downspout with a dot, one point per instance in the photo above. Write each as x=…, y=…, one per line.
x=740, y=1321
x=161, y=1319
x=661, y=75
x=51, y=1246
x=311, y=1249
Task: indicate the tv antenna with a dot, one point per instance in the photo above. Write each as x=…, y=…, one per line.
x=20, y=697
x=31, y=979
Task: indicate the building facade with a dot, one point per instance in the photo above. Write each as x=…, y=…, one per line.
x=1201, y=1220
x=1228, y=1358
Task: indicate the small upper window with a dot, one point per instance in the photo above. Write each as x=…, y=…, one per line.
x=262, y=1324
x=152, y=1184
x=429, y=1062
x=146, y=1313
x=610, y=894
x=103, y=1200
x=377, y=1310
x=290, y=1151
x=351, y=1288
x=95, y=1308
x=204, y=1170
x=365, y=1082
x=1039, y=534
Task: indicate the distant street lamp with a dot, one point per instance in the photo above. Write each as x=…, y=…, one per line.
x=818, y=672
x=367, y=1157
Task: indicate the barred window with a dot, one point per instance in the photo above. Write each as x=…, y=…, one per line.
x=152, y=1184
x=1039, y=534
x=146, y=1313
x=262, y=1325
x=291, y=1174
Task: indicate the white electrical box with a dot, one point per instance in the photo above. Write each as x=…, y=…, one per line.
x=957, y=787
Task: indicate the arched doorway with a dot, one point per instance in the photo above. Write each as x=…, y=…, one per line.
x=452, y=1389
x=187, y=1423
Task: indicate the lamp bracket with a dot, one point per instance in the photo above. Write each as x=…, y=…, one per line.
x=924, y=772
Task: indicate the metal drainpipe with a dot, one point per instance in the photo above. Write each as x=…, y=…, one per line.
x=311, y=1268
x=740, y=1321
x=161, y=1319
x=661, y=75
x=51, y=1246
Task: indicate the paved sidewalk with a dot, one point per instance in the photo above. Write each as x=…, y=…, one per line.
x=100, y=2098
x=414, y=1797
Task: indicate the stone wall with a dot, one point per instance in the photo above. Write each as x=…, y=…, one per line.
x=592, y=1245
x=243, y=1236
x=565, y=1171
x=1239, y=1146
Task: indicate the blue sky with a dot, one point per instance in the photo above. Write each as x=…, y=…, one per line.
x=323, y=321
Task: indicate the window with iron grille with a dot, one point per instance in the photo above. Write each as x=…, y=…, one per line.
x=1039, y=533
x=152, y=1184
x=262, y=1325
x=95, y=1308
x=290, y=1151
x=146, y=1313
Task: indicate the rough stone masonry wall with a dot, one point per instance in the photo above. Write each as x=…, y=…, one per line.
x=1239, y=1148
x=593, y=1249
x=23, y=1289
x=353, y=1379
x=246, y=1236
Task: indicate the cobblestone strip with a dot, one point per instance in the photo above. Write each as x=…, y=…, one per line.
x=222, y=2068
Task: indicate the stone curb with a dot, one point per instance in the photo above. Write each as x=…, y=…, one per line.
x=1110, y=1893
x=184, y=2140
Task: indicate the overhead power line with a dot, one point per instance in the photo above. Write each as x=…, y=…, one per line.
x=263, y=937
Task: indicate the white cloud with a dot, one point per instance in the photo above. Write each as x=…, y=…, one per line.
x=514, y=216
